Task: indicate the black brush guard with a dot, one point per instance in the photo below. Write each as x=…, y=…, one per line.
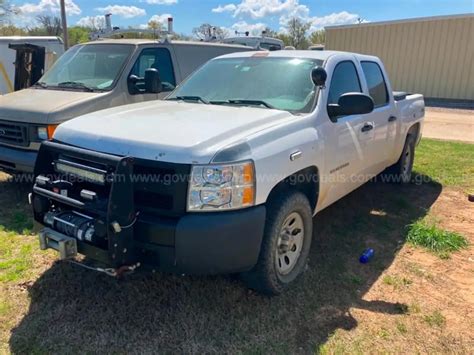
x=119, y=210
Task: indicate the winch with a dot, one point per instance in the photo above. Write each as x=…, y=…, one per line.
x=76, y=225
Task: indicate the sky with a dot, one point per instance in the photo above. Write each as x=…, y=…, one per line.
x=239, y=15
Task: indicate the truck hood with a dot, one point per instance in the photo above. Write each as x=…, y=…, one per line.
x=168, y=131
x=41, y=106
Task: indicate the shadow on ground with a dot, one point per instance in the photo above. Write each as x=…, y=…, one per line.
x=75, y=310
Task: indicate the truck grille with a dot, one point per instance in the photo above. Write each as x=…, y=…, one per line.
x=13, y=133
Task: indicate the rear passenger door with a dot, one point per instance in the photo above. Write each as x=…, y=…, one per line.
x=158, y=58
x=383, y=116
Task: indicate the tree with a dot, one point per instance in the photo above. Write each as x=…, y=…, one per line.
x=6, y=10
x=207, y=31
x=155, y=26
x=270, y=33
x=78, y=35
x=318, y=37
x=297, y=30
x=11, y=30
x=49, y=26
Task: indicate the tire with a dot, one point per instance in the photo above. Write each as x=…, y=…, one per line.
x=283, y=255
x=401, y=171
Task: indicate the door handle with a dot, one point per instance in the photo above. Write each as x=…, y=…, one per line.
x=367, y=127
x=392, y=118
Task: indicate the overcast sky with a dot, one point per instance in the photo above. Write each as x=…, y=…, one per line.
x=241, y=15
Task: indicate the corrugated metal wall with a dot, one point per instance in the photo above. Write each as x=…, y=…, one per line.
x=432, y=56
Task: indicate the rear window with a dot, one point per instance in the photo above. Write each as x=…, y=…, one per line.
x=376, y=83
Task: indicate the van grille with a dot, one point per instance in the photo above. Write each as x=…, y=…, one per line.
x=13, y=133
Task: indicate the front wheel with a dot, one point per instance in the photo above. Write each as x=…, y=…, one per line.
x=285, y=246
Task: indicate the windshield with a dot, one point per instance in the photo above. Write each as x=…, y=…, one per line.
x=280, y=83
x=94, y=67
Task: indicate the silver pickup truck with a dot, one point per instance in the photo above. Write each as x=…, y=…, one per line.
x=92, y=77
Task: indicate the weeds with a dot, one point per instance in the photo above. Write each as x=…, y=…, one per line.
x=435, y=319
x=436, y=240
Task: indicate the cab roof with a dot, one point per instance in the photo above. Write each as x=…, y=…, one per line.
x=307, y=54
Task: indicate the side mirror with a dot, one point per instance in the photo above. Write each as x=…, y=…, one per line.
x=352, y=103
x=152, y=81
x=319, y=76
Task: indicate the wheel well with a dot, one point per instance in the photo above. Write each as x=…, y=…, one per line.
x=414, y=130
x=305, y=181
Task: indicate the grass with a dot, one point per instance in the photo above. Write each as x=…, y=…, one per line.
x=449, y=163
x=436, y=240
x=217, y=314
x=396, y=281
x=435, y=319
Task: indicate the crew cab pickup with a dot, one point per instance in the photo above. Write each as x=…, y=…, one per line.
x=226, y=174
x=91, y=77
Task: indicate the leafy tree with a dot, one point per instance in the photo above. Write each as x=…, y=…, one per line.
x=297, y=31
x=155, y=26
x=78, y=35
x=11, y=30
x=206, y=31
x=318, y=37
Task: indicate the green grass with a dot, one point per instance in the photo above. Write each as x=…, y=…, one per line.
x=436, y=240
x=435, y=319
x=449, y=163
x=396, y=281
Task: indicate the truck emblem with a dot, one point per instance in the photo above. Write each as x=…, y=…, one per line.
x=2, y=132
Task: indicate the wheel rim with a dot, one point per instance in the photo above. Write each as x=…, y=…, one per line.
x=290, y=243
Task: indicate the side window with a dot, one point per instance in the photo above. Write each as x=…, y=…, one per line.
x=344, y=79
x=376, y=83
x=158, y=58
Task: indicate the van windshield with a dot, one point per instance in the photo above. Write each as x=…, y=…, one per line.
x=88, y=67
x=271, y=82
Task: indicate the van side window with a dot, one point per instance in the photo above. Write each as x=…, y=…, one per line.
x=157, y=58
x=376, y=83
x=344, y=79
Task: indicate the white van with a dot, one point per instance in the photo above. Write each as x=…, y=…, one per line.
x=92, y=77
x=23, y=60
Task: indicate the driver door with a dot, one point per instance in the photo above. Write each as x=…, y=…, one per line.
x=347, y=141
x=156, y=58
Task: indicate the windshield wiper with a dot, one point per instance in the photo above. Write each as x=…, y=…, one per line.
x=190, y=98
x=75, y=84
x=41, y=84
x=244, y=102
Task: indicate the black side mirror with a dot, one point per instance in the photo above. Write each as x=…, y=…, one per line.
x=319, y=76
x=152, y=81
x=352, y=103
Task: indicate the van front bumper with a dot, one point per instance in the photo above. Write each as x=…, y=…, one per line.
x=17, y=160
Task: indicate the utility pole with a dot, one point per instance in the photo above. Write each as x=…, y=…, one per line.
x=64, y=24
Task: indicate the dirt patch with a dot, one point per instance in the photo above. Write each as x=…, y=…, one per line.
x=404, y=300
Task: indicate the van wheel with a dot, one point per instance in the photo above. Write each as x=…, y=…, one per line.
x=285, y=246
x=401, y=171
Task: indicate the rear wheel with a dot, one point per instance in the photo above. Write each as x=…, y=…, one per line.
x=401, y=171
x=285, y=246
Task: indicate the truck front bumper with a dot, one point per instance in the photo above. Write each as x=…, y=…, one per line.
x=17, y=160
x=203, y=243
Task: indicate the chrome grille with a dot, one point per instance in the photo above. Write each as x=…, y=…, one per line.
x=13, y=133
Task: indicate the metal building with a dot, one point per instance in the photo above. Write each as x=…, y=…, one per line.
x=432, y=55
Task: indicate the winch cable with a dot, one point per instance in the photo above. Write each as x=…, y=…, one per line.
x=109, y=271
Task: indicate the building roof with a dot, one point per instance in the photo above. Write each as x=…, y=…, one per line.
x=416, y=19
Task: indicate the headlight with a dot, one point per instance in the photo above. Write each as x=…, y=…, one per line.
x=46, y=132
x=81, y=172
x=221, y=187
